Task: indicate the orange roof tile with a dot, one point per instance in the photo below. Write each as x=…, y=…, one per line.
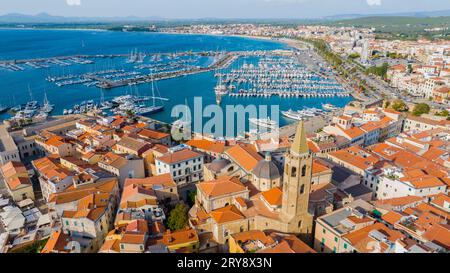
x=245, y=155
x=221, y=186
x=273, y=196
x=227, y=214
x=179, y=156
x=207, y=145
x=152, y=134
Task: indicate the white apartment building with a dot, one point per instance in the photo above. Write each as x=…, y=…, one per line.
x=185, y=166
x=394, y=183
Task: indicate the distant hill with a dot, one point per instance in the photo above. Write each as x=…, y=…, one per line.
x=395, y=21
x=439, y=13
x=426, y=18
x=47, y=18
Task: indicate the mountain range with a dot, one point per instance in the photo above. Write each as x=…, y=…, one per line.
x=47, y=18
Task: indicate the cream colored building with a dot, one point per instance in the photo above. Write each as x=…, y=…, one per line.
x=283, y=209
x=17, y=181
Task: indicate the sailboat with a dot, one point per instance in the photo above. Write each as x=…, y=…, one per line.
x=153, y=108
x=47, y=107
x=220, y=90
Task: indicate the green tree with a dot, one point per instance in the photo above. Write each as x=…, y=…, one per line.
x=178, y=217
x=380, y=71
x=421, y=108
x=443, y=113
x=191, y=197
x=354, y=56
x=399, y=105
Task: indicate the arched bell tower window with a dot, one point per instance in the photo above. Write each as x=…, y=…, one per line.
x=304, y=171
x=293, y=172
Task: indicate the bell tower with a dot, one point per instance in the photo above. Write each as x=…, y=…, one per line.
x=296, y=185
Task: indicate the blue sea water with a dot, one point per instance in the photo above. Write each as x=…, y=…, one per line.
x=28, y=43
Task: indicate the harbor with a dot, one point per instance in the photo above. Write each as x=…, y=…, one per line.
x=277, y=74
x=191, y=66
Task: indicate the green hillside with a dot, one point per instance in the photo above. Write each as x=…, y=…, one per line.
x=401, y=26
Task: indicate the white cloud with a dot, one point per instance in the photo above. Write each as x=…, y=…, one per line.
x=73, y=2
x=374, y=2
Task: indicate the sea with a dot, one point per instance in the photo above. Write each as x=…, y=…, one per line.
x=18, y=87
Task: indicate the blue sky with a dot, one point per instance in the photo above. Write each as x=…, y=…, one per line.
x=218, y=8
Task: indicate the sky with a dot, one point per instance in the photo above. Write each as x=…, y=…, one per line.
x=218, y=8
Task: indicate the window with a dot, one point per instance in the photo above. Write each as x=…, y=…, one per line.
x=304, y=171
x=293, y=172
x=336, y=239
x=324, y=231
x=345, y=246
x=302, y=189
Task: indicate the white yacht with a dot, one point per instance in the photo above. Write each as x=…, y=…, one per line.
x=292, y=114
x=264, y=122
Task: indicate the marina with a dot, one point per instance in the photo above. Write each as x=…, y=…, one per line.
x=184, y=66
x=279, y=75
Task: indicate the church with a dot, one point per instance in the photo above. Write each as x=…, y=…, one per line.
x=272, y=199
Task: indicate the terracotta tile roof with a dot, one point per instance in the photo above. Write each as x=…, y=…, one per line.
x=16, y=182
x=91, y=206
x=245, y=155
x=136, y=196
x=360, y=239
x=425, y=181
x=57, y=242
x=440, y=199
x=392, y=217
x=133, y=238
x=222, y=186
x=439, y=234
x=134, y=144
x=356, y=156
x=353, y=132
x=152, y=134
x=241, y=201
x=371, y=126
x=164, y=180
x=273, y=196
x=207, y=145
x=72, y=194
x=162, y=149
x=400, y=201
x=424, y=207
x=13, y=168
x=227, y=214
x=110, y=245
x=56, y=141
x=248, y=239
x=114, y=160
x=179, y=156
x=15, y=175
x=318, y=167
x=185, y=236
x=288, y=244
